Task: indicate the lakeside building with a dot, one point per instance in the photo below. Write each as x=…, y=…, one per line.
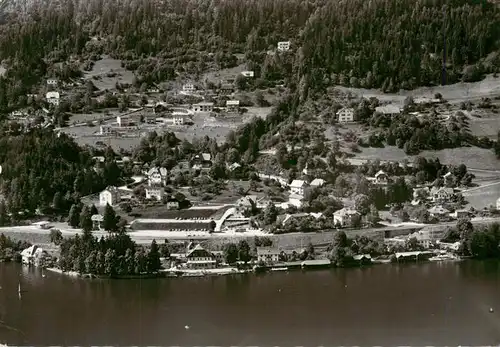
x=34, y=255
x=199, y=258
x=268, y=254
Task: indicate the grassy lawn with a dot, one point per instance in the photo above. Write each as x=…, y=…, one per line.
x=473, y=157
x=107, y=65
x=454, y=93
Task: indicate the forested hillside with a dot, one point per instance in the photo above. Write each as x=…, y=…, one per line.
x=377, y=43
x=46, y=171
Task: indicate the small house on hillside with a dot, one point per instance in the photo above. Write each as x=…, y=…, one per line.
x=157, y=176
x=438, y=211
x=297, y=187
x=110, y=195
x=232, y=105
x=283, y=46
x=203, y=107
x=344, y=216
x=52, y=82
x=172, y=204
x=345, y=115
x=247, y=73
x=97, y=221
x=317, y=182
x=155, y=193
x=202, y=161
x=381, y=177
x=52, y=98
x=188, y=88
x=226, y=89
x=441, y=194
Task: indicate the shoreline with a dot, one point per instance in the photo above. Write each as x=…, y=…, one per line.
x=175, y=272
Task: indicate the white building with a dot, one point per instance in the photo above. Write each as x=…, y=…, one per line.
x=498, y=204
x=283, y=46
x=157, y=177
x=155, y=193
x=297, y=187
x=381, y=177
x=97, y=221
x=267, y=254
x=344, y=216
x=110, y=195
x=123, y=121
x=203, y=107
x=52, y=98
x=247, y=73
x=345, y=115
x=188, y=88
x=317, y=182
x=52, y=82
x=33, y=255
x=233, y=105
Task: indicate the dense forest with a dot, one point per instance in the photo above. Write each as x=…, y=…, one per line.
x=45, y=171
x=379, y=43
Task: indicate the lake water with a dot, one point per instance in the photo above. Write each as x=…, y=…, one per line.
x=424, y=304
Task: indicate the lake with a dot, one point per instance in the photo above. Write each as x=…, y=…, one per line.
x=416, y=304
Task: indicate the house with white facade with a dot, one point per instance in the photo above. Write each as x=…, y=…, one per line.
x=188, y=88
x=123, y=121
x=97, y=221
x=172, y=204
x=203, y=107
x=232, y=105
x=381, y=178
x=110, y=195
x=52, y=82
x=344, y=216
x=200, y=258
x=157, y=176
x=283, y=46
x=34, y=255
x=247, y=73
x=345, y=115
x=317, y=182
x=441, y=194
x=52, y=98
x=297, y=187
x=438, y=211
x=268, y=255
x=155, y=193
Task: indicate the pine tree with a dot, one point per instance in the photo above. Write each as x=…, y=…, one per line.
x=110, y=220
x=86, y=219
x=154, y=263
x=74, y=216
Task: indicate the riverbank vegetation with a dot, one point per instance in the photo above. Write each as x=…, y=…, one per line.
x=114, y=255
x=479, y=242
x=10, y=250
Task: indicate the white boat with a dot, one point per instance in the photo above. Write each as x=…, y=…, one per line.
x=279, y=269
x=444, y=257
